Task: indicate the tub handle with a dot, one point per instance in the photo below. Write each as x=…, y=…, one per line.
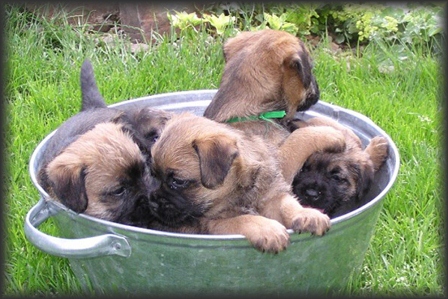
x=107, y=244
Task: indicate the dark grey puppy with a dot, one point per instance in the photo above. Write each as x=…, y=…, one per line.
x=337, y=182
x=147, y=121
x=97, y=162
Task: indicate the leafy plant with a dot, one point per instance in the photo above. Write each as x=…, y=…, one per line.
x=347, y=23
x=279, y=23
x=185, y=21
x=220, y=23
x=303, y=16
x=353, y=23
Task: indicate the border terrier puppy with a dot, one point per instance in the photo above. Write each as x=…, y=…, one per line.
x=266, y=70
x=267, y=78
x=102, y=173
x=97, y=161
x=336, y=182
x=216, y=179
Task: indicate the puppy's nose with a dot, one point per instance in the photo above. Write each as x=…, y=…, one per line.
x=314, y=92
x=312, y=96
x=313, y=194
x=153, y=205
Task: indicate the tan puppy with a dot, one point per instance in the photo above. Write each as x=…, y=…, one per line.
x=270, y=71
x=220, y=180
x=337, y=182
x=266, y=70
x=102, y=173
x=97, y=162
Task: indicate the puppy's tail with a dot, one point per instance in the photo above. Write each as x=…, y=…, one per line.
x=91, y=97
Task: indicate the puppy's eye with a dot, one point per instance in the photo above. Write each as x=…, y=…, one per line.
x=118, y=192
x=337, y=176
x=152, y=135
x=178, y=184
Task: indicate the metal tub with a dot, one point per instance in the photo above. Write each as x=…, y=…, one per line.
x=110, y=258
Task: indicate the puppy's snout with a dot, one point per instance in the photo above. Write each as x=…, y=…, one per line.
x=158, y=199
x=312, y=194
x=153, y=205
x=312, y=96
x=313, y=92
x=157, y=202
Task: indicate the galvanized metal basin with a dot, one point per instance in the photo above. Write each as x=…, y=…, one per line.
x=110, y=258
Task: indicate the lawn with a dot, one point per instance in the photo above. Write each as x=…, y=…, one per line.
x=400, y=93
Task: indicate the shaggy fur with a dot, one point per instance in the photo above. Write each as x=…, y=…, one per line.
x=271, y=70
x=97, y=161
x=216, y=179
x=336, y=182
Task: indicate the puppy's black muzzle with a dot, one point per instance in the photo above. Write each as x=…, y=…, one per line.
x=314, y=190
x=171, y=208
x=312, y=96
x=312, y=194
x=138, y=214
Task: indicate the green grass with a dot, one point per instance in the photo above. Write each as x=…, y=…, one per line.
x=43, y=63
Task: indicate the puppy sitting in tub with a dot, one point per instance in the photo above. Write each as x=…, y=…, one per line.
x=270, y=70
x=337, y=182
x=230, y=171
x=97, y=161
x=216, y=179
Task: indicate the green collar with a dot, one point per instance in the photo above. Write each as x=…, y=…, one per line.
x=267, y=116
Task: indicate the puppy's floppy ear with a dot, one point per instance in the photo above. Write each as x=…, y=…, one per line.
x=362, y=173
x=67, y=180
x=215, y=158
x=377, y=149
x=300, y=63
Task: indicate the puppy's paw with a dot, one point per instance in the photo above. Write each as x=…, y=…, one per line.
x=378, y=151
x=268, y=235
x=311, y=220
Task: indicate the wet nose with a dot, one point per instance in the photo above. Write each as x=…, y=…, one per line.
x=153, y=205
x=312, y=193
x=312, y=96
x=314, y=93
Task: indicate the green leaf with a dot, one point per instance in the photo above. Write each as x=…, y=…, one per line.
x=340, y=38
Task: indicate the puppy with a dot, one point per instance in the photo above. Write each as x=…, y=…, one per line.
x=266, y=70
x=216, y=179
x=97, y=162
x=147, y=121
x=102, y=173
x=267, y=78
x=337, y=182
